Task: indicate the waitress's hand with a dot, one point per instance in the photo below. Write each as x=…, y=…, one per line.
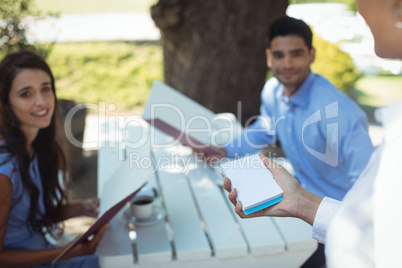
x=297, y=202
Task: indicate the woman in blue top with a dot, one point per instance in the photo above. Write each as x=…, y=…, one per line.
x=33, y=170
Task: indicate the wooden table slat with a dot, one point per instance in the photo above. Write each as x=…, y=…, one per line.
x=188, y=236
x=297, y=234
x=107, y=155
x=115, y=248
x=227, y=240
x=261, y=234
x=153, y=242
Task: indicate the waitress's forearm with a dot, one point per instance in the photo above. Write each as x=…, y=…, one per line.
x=308, y=206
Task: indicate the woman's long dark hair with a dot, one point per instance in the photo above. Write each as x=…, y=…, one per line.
x=47, y=146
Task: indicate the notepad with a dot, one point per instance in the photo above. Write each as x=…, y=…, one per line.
x=255, y=185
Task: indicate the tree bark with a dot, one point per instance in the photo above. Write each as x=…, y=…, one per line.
x=214, y=50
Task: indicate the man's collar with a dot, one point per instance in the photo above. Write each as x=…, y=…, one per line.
x=280, y=94
x=302, y=95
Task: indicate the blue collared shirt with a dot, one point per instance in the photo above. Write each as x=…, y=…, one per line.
x=323, y=133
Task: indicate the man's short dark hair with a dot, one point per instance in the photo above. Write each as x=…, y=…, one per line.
x=285, y=26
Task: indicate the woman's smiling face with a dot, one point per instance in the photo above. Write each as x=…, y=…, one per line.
x=32, y=100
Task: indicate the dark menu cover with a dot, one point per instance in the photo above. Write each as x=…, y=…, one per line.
x=105, y=218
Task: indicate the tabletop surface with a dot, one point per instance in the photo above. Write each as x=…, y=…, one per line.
x=197, y=226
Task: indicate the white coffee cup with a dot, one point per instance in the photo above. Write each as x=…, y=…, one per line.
x=142, y=207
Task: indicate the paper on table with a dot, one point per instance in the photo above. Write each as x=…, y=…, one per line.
x=255, y=185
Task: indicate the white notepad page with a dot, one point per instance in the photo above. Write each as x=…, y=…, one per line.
x=254, y=183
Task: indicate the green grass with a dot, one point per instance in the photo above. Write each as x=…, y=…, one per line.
x=379, y=90
x=92, y=6
x=375, y=91
x=116, y=73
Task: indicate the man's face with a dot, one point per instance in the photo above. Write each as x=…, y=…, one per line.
x=289, y=59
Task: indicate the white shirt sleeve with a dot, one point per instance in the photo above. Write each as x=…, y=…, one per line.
x=325, y=212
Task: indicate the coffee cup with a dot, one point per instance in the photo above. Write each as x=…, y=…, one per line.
x=142, y=207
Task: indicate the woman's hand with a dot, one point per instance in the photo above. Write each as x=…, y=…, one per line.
x=87, y=247
x=86, y=207
x=90, y=207
x=296, y=202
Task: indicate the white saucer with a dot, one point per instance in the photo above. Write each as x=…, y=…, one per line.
x=157, y=215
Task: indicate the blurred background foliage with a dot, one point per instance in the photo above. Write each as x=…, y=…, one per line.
x=335, y=64
x=122, y=72
x=13, y=27
x=351, y=3
x=116, y=72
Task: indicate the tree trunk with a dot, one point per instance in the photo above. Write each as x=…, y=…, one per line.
x=214, y=50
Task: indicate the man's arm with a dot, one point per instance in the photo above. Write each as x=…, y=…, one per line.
x=253, y=138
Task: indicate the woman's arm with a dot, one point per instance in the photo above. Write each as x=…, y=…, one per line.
x=15, y=257
x=297, y=202
x=18, y=258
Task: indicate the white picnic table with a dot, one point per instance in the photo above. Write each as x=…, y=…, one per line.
x=199, y=227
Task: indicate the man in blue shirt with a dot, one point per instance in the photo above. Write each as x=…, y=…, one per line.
x=323, y=133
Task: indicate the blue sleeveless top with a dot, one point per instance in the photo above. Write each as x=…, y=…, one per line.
x=18, y=235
